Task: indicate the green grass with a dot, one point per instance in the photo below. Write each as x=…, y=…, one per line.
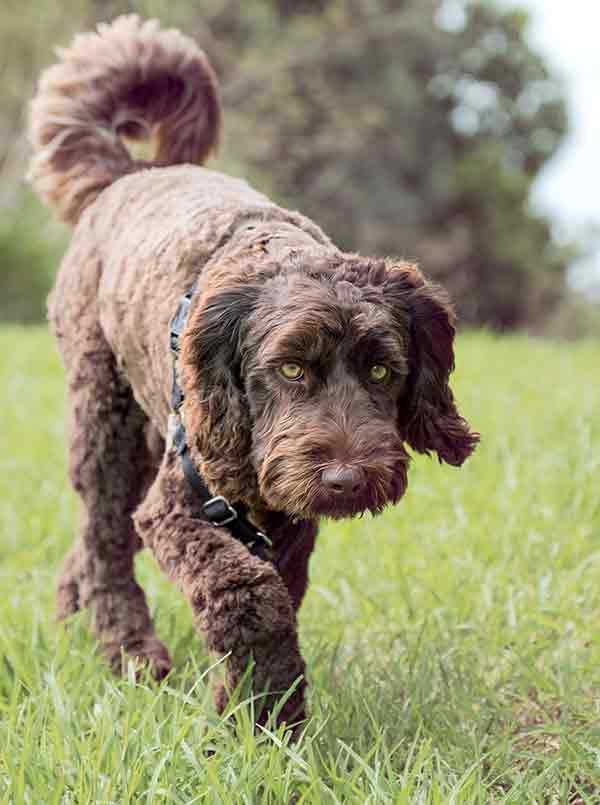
x=452, y=644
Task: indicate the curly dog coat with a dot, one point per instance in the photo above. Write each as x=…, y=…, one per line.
x=305, y=370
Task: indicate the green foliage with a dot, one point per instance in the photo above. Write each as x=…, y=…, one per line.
x=30, y=246
x=29, y=32
x=451, y=643
x=399, y=136
x=30, y=250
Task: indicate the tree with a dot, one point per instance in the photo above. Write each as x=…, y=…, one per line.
x=400, y=133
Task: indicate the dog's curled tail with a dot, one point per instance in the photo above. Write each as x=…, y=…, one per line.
x=130, y=80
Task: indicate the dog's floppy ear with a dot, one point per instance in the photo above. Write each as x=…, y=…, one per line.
x=217, y=417
x=427, y=413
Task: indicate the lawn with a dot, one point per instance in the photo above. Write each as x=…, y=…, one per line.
x=452, y=644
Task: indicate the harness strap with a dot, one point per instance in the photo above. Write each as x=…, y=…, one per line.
x=217, y=509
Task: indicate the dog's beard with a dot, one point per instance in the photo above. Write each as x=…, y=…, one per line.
x=291, y=469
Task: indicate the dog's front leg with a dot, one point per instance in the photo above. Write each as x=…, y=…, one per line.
x=238, y=600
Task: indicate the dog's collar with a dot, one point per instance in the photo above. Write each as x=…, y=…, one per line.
x=217, y=509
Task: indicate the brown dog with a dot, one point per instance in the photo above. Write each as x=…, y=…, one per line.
x=304, y=371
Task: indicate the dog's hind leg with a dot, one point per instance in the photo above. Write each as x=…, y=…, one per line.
x=111, y=465
x=68, y=599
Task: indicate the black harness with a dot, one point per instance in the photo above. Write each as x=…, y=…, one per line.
x=217, y=509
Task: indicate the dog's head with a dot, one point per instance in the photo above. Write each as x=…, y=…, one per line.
x=305, y=384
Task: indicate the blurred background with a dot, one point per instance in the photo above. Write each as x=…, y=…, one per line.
x=456, y=133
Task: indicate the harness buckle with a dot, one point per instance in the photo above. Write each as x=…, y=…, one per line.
x=179, y=321
x=219, y=511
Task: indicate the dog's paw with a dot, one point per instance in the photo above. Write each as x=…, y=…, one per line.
x=147, y=653
x=292, y=712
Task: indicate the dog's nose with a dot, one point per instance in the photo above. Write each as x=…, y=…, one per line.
x=342, y=479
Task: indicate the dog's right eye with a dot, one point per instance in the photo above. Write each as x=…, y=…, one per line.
x=292, y=371
x=379, y=373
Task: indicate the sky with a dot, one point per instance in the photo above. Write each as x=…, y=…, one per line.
x=567, y=33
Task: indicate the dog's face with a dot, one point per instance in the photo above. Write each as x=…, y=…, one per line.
x=324, y=373
x=324, y=369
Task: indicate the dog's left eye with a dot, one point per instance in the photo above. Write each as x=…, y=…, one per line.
x=292, y=371
x=379, y=373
